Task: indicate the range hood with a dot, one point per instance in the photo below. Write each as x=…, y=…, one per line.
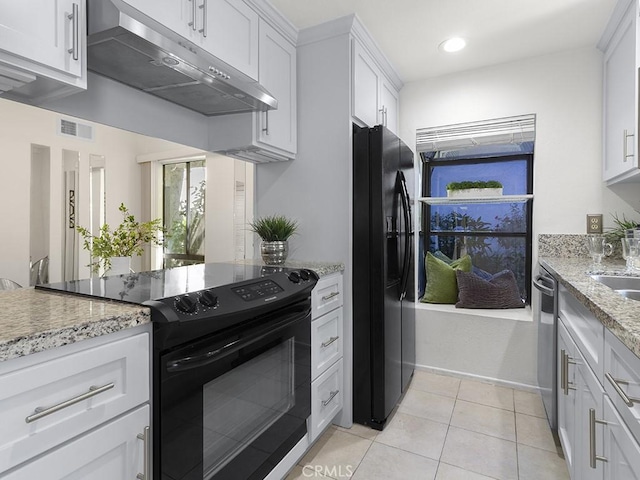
x=147, y=56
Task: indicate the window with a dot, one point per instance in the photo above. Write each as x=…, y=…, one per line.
x=495, y=232
x=184, y=187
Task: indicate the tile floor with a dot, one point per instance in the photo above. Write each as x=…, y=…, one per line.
x=444, y=429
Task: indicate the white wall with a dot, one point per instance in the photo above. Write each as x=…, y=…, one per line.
x=564, y=90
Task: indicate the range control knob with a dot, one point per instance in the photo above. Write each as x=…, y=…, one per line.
x=294, y=277
x=304, y=275
x=208, y=299
x=186, y=304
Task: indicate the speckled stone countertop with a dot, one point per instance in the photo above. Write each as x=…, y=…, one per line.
x=321, y=268
x=619, y=314
x=33, y=320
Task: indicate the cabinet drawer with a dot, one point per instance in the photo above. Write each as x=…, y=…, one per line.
x=327, y=295
x=326, y=399
x=622, y=366
x=585, y=329
x=121, y=367
x=112, y=452
x=326, y=341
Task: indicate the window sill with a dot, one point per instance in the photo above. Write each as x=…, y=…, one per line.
x=515, y=314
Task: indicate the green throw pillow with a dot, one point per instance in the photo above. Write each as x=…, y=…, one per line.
x=442, y=286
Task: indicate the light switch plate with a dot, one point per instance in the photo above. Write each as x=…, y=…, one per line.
x=594, y=223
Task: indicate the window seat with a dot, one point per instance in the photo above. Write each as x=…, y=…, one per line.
x=516, y=314
x=497, y=345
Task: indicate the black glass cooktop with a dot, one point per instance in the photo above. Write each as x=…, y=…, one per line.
x=159, y=284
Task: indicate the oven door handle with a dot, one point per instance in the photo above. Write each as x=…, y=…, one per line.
x=210, y=356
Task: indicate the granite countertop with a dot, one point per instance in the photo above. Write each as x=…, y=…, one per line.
x=321, y=268
x=619, y=314
x=34, y=320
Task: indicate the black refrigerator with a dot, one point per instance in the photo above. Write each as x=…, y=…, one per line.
x=383, y=274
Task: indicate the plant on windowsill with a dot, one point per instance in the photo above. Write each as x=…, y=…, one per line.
x=274, y=231
x=128, y=239
x=467, y=188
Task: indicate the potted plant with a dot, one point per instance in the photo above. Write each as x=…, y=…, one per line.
x=274, y=231
x=128, y=239
x=465, y=189
x=619, y=231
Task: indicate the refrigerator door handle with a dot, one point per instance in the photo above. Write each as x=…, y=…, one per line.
x=408, y=238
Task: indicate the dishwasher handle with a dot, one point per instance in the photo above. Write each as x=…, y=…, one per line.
x=537, y=282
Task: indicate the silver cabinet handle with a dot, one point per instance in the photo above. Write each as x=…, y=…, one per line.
x=331, y=396
x=146, y=461
x=592, y=439
x=266, y=122
x=329, y=342
x=625, y=137
x=192, y=23
x=615, y=383
x=43, y=412
x=565, y=384
x=203, y=7
x=330, y=296
x=75, y=26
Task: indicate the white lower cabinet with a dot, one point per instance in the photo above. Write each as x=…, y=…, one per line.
x=598, y=414
x=326, y=399
x=567, y=399
x=621, y=448
x=76, y=411
x=326, y=354
x=111, y=452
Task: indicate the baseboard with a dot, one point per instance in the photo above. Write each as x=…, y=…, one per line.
x=479, y=378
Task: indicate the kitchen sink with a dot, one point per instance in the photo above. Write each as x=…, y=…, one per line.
x=618, y=282
x=632, y=294
x=628, y=287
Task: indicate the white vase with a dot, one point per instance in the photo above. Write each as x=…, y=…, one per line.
x=120, y=266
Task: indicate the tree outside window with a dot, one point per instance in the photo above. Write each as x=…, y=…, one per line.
x=184, y=187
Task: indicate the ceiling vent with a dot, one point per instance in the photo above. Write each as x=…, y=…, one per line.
x=70, y=128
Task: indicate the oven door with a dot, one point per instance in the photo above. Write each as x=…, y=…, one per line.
x=232, y=406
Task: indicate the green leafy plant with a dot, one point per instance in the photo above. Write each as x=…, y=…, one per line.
x=275, y=228
x=614, y=234
x=128, y=239
x=465, y=185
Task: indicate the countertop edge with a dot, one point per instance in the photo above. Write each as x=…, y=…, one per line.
x=620, y=315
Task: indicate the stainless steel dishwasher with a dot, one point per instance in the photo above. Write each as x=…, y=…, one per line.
x=547, y=344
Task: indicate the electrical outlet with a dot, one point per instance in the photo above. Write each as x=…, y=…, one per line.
x=594, y=223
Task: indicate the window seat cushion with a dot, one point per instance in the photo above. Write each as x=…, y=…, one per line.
x=441, y=279
x=501, y=291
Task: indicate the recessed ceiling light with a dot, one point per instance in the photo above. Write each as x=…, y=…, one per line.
x=452, y=45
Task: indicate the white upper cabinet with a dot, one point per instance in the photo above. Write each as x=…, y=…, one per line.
x=620, y=138
x=366, y=78
x=42, y=39
x=231, y=32
x=181, y=16
x=228, y=29
x=277, y=128
x=375, y=99
x=264, y=136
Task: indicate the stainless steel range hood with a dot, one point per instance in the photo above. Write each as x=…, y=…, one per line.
x=158, y=61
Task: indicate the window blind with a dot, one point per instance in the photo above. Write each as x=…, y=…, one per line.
x=508, y=130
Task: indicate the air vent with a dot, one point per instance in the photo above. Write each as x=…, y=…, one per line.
x=70, y=128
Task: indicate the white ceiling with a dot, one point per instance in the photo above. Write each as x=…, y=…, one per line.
x=497, y=31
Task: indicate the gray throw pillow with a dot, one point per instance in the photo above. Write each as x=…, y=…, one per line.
x=501, y=291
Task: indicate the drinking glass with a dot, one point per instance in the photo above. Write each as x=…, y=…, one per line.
x=631, y=253
x=598, y=248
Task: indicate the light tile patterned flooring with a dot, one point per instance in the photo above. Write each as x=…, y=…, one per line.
x=444, y=429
